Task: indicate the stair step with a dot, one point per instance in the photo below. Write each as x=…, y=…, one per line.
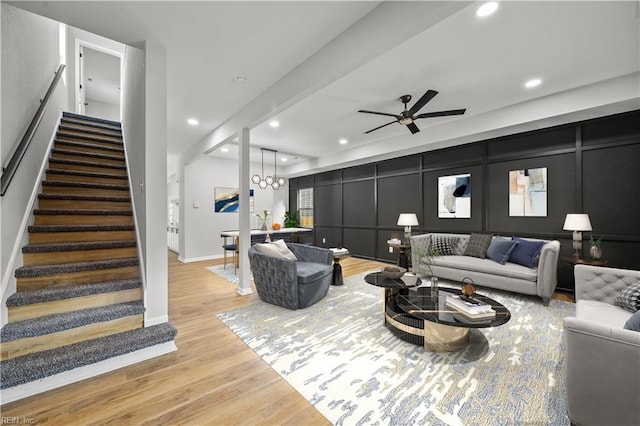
x=88, y=130
x=89, y=147
x=84, y=188
x=89, y=125
x=83, y=176
x=85, y=165
x=28, y=368
x=68, y=154
x=53, y=331
x=82, y=217
x=48, y=301
x=83, y=251
x=61, y=274
x=89, y=119
x=61, y=201
x=42, y=234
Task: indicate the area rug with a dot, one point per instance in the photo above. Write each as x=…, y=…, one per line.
x=345, y=362
x=226, y=273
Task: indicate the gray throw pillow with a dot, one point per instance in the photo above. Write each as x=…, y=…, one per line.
x=500, y=249
x=629, y=298
x=633, y=323
x=478, y=245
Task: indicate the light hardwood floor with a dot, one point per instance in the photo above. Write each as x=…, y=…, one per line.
x=213, y=378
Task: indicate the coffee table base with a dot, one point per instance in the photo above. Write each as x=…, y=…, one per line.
x=434, y=337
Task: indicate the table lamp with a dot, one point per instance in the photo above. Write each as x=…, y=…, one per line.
x=407, y=220
x=577, y=222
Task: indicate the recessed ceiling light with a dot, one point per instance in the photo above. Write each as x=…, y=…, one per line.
x=193, y=121
x=274, y=124
x=225, y=149
x=487, y=9
x=534, y=82
x=343, y=141
x=284, y=159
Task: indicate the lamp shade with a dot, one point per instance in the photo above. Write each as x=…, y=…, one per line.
x=577, y=222
x=408, y=219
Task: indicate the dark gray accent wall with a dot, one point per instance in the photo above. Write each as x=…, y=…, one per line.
x=591, y=168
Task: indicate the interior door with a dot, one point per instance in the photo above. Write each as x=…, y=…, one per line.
x=80, y=90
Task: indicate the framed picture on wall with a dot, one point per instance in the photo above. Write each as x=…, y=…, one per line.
x=528, y=192
x=227, y=200
x=454, y=196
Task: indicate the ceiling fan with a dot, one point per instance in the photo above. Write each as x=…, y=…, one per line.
x=408, y=116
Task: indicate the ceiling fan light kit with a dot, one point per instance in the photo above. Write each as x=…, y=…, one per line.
x=274, y=181
x=408, y=116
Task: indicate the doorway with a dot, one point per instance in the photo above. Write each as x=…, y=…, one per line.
x=98, y=81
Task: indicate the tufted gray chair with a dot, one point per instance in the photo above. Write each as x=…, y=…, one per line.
x=602, y=358
x=289, y=283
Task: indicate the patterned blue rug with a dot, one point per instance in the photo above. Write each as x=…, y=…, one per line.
x=346, y=363
x=226, y=273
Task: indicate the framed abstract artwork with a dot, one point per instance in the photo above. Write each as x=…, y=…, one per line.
x=227, y=200
x=454, y=196
x=528, y=192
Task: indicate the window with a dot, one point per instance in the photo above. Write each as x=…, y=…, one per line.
x=305, y=206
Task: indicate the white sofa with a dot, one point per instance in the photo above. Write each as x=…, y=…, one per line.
x=602, y=358
x=540, y=280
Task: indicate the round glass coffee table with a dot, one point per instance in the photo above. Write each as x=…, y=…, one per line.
x=415, y=316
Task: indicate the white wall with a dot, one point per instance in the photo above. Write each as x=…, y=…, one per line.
x=144, y=122
x=200, y=227
x=30, y=57
x=102, y=110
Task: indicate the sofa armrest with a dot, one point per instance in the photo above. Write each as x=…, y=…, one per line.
x=548, y=269
x=602, y=373
x=601, y=283
x=313, y=254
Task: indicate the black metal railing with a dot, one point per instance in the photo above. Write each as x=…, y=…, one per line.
x=12, y=166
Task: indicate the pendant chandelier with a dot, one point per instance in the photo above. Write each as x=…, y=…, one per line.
x=274, y=181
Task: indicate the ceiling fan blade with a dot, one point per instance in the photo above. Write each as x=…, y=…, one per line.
x=440, y=113
x=379, y=113
x=380, y=127
x=413, y=128
x=429, y=94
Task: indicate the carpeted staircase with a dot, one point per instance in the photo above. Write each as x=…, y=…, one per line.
x=79, y=291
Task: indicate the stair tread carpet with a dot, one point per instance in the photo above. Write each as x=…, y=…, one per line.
x=80, y=228
x=85, y=163
x=87, y=174
x=87, y=154
x=38, y=365
x=82, y=212
x=98, y=132
x=78, y=197
x=89, y=119
x=65, y=268
x=75, y=144
x=85, y=185
x=79, y=122
x=66, y=321
x=85, y=245
x=43, y=295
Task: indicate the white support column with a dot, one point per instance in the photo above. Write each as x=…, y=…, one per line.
x=244, y=287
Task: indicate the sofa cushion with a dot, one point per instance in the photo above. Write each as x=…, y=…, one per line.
x=478, y=245
x=272, y=250
x=500, y=249
x=309, y=272
x=445, y=244
x=487, y=266
x=284, y=250
x=629, y=298
x=602, y=312
x=633, y=323
x=526, y=252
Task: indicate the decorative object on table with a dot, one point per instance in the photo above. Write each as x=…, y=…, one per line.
x=276, y=226
x=263, y=218
x=577, y=222
x=595, y=248
x=393, y=272
x=528, y=192
x=468, y=288
x=425, y=264
x=407, y=220
x=292, y=219
x=274, y=181
x=454, y=196
x=469, y=307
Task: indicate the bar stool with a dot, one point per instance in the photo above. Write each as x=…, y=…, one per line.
x=234, y=248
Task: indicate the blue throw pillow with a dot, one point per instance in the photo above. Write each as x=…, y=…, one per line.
x=500, y=249
x=633, y=323
x=526, y=252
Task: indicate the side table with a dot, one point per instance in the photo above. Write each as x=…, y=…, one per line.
x=403, y=260
x=338, y=255
x=574, y=261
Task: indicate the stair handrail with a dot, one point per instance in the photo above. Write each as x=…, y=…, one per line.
x=12, y=166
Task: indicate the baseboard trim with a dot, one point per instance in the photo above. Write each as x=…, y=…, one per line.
x=200, y=259
x=77, y=374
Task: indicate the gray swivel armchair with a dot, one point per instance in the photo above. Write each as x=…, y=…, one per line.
x=292, y=284
x=602, y=358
